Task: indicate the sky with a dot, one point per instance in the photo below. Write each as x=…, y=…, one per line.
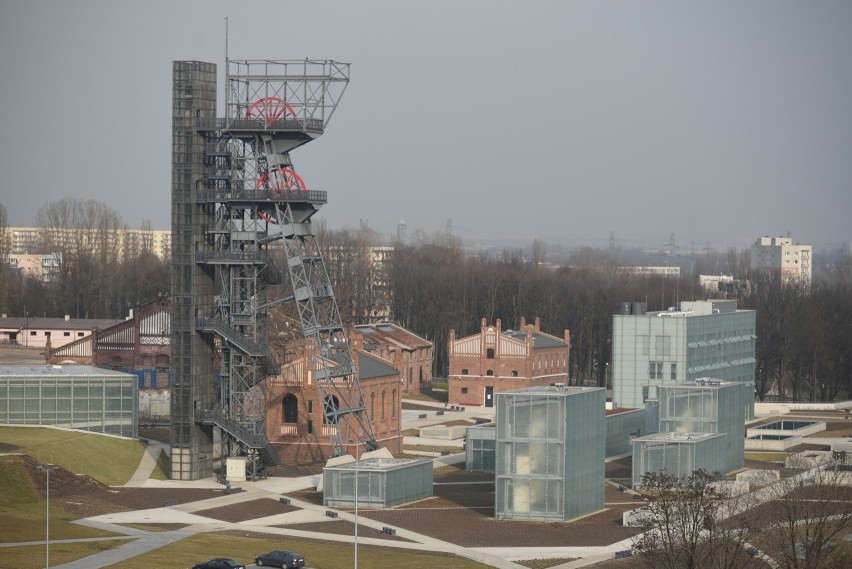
x=565, y=121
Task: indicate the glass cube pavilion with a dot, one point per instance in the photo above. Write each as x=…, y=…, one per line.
x=75, y=397
x=381, y=482
x=480, y=448
x=550, y=453
x=678, y=454
x=709, y=406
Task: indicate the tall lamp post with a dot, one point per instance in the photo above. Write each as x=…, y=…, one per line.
x=46, y=468
x=357, y=459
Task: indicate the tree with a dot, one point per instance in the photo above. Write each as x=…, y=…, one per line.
x=808, y=514
x=82, y=236
x=4, y=260
x=688, y=525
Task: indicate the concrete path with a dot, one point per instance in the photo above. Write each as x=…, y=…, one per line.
x=147, y=464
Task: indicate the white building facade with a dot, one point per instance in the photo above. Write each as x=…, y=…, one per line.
x=780, y=255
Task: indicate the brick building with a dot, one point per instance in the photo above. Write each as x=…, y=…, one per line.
x=407, y=352
x=140, y=345
x=294, y=409
x=496, y=360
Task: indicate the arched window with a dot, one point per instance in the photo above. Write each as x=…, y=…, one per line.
x=330, y=405
x=421, y=375
x=290, y=408
x=410, y=374
x=383, y=404
x=489, y=353
x=393, y=404
x=372, y=405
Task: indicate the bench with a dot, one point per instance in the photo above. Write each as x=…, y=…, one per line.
x=168, y=503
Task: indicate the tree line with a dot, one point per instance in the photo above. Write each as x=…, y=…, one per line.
x=91, y=274
x=431, y=285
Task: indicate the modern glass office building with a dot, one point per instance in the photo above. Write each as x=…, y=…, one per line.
x=381, y=482
x=550, y=453
x=76, y=397
x=709, y=338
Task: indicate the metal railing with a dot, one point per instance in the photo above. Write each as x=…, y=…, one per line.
x=262, y=195
x=269, y=125
x=246, y=345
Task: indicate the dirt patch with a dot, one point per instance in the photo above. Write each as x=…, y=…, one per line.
x=250, y=510
x=84, y=497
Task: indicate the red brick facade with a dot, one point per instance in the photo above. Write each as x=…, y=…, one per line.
x=294, y=416
x=407, y=352
x=494, y=360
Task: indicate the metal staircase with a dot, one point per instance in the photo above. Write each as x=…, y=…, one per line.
x=253, y=198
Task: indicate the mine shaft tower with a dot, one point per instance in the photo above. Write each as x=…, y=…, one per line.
x=235, y=194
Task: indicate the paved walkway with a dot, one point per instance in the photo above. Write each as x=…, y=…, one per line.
x=142, y=541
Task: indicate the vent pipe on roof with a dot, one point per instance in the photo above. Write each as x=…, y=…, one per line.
x=67, y=317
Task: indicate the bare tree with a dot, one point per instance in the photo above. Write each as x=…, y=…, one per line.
x=4, y=260
x=688, y=525
x=83, y=238
x=807, y=515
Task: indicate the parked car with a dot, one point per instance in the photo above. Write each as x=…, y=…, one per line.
x=284, y=559
x=220, y=563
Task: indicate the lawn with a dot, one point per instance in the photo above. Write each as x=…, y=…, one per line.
x=111, y=460
x=33, y=556
x=22, y=510
x=318, y=555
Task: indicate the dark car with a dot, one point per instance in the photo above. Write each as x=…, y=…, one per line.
x=220, y=563
x=284, y=559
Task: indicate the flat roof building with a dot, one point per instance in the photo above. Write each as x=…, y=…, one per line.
x=706, y=338
x=75, y=397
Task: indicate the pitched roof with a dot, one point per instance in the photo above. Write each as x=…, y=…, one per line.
x=390, y=333
x=371, y=367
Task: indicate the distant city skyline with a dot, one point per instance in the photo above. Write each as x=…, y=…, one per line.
x=561, y=121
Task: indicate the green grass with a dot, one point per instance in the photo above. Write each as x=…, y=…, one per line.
x=160, y=471
x=766, y=456
x=111, y=460
x=318, y=555
x=32, y=556
x=22, y=511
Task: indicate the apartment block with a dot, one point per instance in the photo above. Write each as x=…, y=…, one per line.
x=780, y=255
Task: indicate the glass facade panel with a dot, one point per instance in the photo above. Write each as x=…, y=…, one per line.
x=381, y=482
x=549, y=439
x=69, y=396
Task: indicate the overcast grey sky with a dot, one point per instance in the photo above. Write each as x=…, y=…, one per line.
x=560, y=120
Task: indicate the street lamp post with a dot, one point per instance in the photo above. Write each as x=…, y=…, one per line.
x=46, y=468
x=357, y=458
